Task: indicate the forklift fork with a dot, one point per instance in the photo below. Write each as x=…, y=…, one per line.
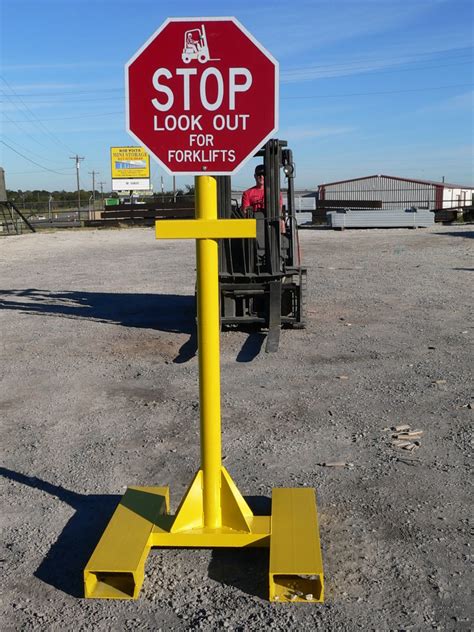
x=274, y=317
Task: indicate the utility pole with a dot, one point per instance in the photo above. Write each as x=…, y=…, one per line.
x=101, y=184
x=78, y=159
x=93, y=174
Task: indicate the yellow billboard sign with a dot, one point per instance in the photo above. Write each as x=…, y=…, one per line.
x=129, y=162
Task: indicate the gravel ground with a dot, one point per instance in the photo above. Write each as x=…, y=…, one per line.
x=99, y=391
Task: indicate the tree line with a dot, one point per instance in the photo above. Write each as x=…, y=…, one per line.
x=36, y=196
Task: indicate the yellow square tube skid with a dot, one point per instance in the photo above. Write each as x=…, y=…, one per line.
x=117, y=566
x=205, y=228
x=296, y=567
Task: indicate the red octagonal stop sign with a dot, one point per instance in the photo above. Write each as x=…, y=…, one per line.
x=202, y=95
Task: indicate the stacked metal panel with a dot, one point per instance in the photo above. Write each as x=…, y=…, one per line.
x=381, y=219
x=303, y=218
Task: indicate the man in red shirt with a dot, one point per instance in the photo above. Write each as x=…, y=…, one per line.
x=254, y=198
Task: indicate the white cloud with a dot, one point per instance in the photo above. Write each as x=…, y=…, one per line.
x=347, y=66
x=455, y=103
x=303, y=133
x=22, y=87
x=57, y=66
x=313, y=26
x=40, y=87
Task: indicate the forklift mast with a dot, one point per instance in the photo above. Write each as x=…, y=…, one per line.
x=261, y=280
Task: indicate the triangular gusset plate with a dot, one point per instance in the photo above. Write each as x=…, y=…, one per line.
x=236, y=514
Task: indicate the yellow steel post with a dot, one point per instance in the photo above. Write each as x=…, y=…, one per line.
x=209, y=354
x=213, y=512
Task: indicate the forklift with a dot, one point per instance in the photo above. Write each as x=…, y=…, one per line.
x=261, y=281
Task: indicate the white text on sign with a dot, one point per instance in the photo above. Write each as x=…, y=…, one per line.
x=186, y=122
x=209, y=75
x=201, y=155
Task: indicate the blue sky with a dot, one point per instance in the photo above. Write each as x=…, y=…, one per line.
x=377, y=86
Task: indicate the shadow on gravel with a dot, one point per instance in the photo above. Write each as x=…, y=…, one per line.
x=469, y=234
x=64, y=564
x=252, y=346
x=247, y=568
x=173, y=313
x=164, y=312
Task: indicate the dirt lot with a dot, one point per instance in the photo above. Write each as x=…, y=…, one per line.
x=99, y=391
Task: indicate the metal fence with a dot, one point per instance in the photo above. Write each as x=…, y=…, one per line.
x=59, y=211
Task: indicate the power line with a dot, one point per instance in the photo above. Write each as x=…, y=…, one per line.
x=77, y=100
x=69, y=118
x=363, y=94
x=292, y=75
x=289, y=76
x=32, y=161
x=15, y=123
x=56, y=94
x=55, y=138
x=27, y=173
x=317, y=96
x=26, y=149
x=323, y=66
x=400, y=61
x=101, y=98
x=460, y=50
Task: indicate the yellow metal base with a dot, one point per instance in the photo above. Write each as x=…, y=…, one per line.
x=117, y=567
x=296, y=565
x=141, y=521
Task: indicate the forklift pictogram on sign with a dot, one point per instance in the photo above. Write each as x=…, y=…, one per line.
x=195, y=46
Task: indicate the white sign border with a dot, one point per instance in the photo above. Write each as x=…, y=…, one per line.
x=140, y=184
